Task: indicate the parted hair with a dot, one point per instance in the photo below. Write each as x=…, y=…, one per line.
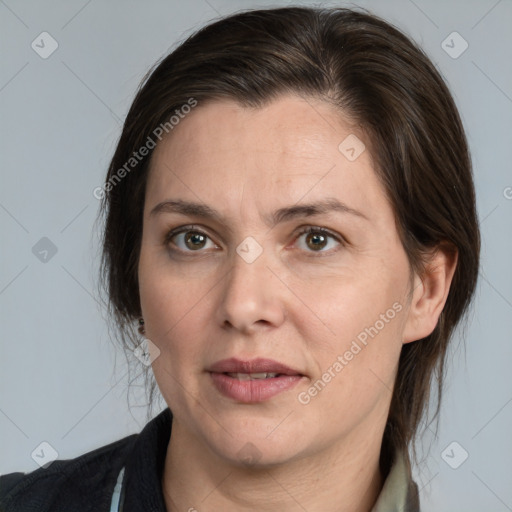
x=374, y=75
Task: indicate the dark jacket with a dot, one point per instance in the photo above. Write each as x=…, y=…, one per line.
x=87, y=483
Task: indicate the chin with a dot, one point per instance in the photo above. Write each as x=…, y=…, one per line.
x=255, y=456
x=251, y=448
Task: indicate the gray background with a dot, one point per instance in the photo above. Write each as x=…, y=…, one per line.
x=62, y=380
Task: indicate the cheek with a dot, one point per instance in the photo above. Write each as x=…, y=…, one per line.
x=346, y=304
x=175, y=319
x=167, y=294
x=357, y=342
x=355, y=371
x=178, y=311
x=172, y=312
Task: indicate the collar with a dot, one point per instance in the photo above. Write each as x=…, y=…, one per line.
x=399, y=493
x=142, y=483
x=142, y=487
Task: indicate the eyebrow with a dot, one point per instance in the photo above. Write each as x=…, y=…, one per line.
x=281, y=215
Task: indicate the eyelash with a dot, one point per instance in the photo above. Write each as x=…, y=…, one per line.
x=309, y=229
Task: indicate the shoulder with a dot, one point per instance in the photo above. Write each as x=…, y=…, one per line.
x=88, y=479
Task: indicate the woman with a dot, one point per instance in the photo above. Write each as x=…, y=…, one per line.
x=291, y=226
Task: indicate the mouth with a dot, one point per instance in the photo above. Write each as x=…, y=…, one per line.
x=252, y=381
x=254, y=376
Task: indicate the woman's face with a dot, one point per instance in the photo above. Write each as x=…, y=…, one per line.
x=228, y=271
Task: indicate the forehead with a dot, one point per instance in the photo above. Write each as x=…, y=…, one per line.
x=290, y=126
x=290, y=148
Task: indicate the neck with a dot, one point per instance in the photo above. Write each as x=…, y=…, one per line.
x=342, y=479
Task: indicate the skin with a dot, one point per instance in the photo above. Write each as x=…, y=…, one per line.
x=302, y=302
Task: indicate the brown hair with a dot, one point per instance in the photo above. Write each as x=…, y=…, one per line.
x=373, y=74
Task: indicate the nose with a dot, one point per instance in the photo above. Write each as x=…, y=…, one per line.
x=252, y=297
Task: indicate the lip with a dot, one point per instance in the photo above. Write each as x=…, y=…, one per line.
x=252, y=391
x=258, y=365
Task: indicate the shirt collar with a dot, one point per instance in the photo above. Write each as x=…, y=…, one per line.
x=399, y=493
x=142, y=486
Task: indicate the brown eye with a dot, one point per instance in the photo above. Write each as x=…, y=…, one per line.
x=313, y=239
x=189, y=240
x=316, y=241
x=195, y=240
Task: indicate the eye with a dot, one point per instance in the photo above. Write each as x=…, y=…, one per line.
x=311, y=239
x=315, y=239
x=189, y=239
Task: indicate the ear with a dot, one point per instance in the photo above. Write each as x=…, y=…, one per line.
x=430, y=291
